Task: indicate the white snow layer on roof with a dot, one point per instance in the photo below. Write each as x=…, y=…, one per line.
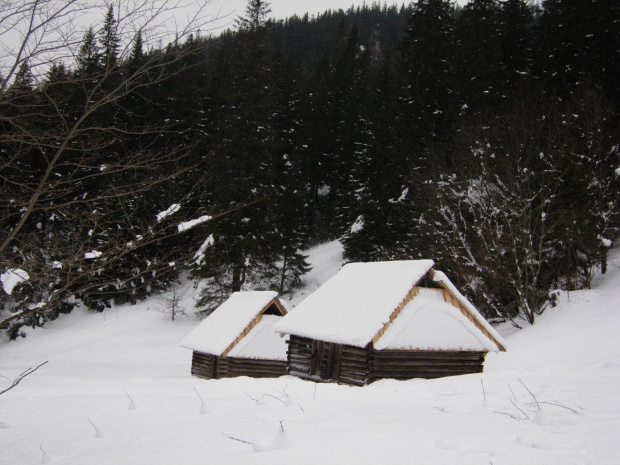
x=262, y=342
x=442, y=278
x=354, y=305
x=430, y=323
x=225, y=324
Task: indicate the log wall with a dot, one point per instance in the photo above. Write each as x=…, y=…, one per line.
x=299, y=356
x=323, y=361
x=360, y=366
x=406, y=364
x=255, y=368
x=203, y=365
x=213, y=367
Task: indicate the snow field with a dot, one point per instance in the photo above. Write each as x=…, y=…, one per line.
x=117, y=389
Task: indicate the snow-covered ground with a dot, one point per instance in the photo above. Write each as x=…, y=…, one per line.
x=117, y=390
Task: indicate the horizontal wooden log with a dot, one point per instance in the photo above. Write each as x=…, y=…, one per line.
x=202, y=371
x=353, y=381
x=427, y=354
x=299, y=364
x=257, y=362
x=354, y=366
x=244, y=368
x=399, y=374
x=300, y=374
x=353, y=358
x=355, y=363
x=281, y=369
x=298, y=369
x=414, y=363
x=204, y=366
x=421, y=376
x=350, y=350
x=430, y=367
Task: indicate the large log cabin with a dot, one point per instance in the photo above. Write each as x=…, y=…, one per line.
x=399, y=319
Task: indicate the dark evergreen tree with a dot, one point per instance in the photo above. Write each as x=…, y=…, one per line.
x=109, y=40
x=89, y=58
x=252, y=245
x=516, y=42
x=479, y=57
x=580, y=39
x=256, y=12
x=428, y=55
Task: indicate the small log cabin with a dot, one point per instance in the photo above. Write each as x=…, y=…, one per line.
x=238, y=338
x=399, y=319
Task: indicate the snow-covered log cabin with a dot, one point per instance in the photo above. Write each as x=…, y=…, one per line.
x=399, y=319
x=238, y=338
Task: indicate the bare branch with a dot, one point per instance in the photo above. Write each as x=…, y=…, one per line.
x=17, y=380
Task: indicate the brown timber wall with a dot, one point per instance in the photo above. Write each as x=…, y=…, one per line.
x=406, y=364
x=324, y=361
x=355, y=366
x=203, y=365
x=213, y=367
x=255, y=368
x=299, y=355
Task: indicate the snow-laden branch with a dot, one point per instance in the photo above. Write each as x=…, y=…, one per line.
x=187, y=225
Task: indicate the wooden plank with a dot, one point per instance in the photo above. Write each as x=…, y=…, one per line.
x=410, y=295
x=422, y=374
x=426, y=353
x=428, y=368
x=355, y=381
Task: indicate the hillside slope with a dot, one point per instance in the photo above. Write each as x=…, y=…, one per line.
x=117, y=389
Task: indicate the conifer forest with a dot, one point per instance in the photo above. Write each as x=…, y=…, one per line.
x=484, y=136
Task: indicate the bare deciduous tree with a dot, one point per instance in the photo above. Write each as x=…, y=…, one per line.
x=82, y=154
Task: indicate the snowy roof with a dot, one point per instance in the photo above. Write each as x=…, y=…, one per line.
x=222, y=328
x=428, y=322
x=262, y=342
x=360, y=304
x=355, y=304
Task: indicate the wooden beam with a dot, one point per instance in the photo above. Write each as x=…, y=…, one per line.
x=410, y=295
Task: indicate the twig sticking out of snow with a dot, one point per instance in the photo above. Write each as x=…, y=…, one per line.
x=98, y=433
x=512, y=392
x=519, y=409
x=132, y=404
x=508, y=414
x=484, y=394
x=27, y=372
x=275, y=397
x=203, y=408
x=237, y=439
x=280, y=441
x=533, y=396
x=557, y=405
x=536, y=402
x=44, y=459
x=253, y=398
